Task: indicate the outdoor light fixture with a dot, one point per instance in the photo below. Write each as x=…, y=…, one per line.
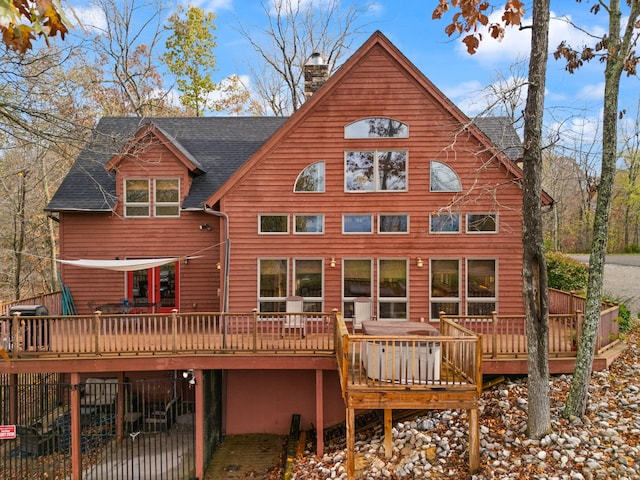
x=189, y=376
x=333, y=262
x=218, y=265
x=205, y=226
x=419, y=262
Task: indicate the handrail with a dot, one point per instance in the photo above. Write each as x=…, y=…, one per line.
x=175, y=333
x=451, y=360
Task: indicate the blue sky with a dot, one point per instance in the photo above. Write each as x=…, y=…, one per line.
x=571, y=99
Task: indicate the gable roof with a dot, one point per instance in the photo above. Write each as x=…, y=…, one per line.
x=376, y=40
x=220, y=150
x=216, y=146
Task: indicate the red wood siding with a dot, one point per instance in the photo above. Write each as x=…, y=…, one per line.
x=262, y=401
x=376, y=87
x=107, y=236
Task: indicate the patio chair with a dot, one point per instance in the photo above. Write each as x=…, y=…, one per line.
x=160, y=416
x=362, y=311
x=295, y=304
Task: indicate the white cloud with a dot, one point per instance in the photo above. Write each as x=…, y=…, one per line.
x=88, y=18
x=211, y=5
x=590, y=92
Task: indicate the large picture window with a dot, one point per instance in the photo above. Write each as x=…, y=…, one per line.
x=272, y=284
x=481, y=287
x=308, y=283
x=445, y=287
x=356, y=283
x=370, y=171
x=392, y=289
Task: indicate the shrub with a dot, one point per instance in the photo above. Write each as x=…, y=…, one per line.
x=632, y=248
x=624, y=318
x=565, y=273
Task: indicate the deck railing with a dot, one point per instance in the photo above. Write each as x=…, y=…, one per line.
x=505, y=336
x=53, y=302
x=174, y=333
x=451, y=360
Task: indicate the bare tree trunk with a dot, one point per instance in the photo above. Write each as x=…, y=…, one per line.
x=534, y=267
x=18, y=235
x=618, y=50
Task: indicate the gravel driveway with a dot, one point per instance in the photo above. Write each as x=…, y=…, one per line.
x=621, y=278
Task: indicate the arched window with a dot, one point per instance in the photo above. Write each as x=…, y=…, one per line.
x=311, y=179
x=444, y=178
x=376, y=127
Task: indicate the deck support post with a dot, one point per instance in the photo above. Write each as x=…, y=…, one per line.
x=319, y=413
x=388, y=435
x=351, y=435
x=76, y=447
x=199, y=423
x=474, y=441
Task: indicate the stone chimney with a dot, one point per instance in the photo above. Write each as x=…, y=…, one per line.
x=316, y=73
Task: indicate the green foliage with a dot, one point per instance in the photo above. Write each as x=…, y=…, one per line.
x=632, y=248
x=565, y=273
x=624, y=320
x=190, y=57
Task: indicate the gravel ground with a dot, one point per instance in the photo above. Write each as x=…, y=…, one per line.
x=602, y=445
x=621, y=279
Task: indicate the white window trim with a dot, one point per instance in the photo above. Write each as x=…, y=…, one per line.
x=391, y=215
x=446, y=232
x=137, y=204
x=346, y=299
x=324, y=183
x=258, y=271
x=376, y=188
x=295, y=216
x=404, y=300
x=322, y=286
x=452, y=170
x=358, y=215
x=461, y=288
x=484, y=232
x=157, y=204
x=469, y=299
x=260, y=215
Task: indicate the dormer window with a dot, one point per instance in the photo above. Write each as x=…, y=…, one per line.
x=166, y=197
x=136, y=195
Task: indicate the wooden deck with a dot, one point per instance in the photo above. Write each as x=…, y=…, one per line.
x=386, y=372
x=410, y=372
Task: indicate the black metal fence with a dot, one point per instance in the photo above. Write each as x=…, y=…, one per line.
x=151, y=438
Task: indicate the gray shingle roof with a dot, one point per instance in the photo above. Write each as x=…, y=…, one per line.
x=218, y=146
x=501, y=132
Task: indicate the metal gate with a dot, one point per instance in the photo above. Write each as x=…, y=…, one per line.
x=152, y=438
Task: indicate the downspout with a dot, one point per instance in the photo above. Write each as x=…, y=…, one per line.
x=227, y=255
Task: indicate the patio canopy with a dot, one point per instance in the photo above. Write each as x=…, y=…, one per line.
x=122, y=265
